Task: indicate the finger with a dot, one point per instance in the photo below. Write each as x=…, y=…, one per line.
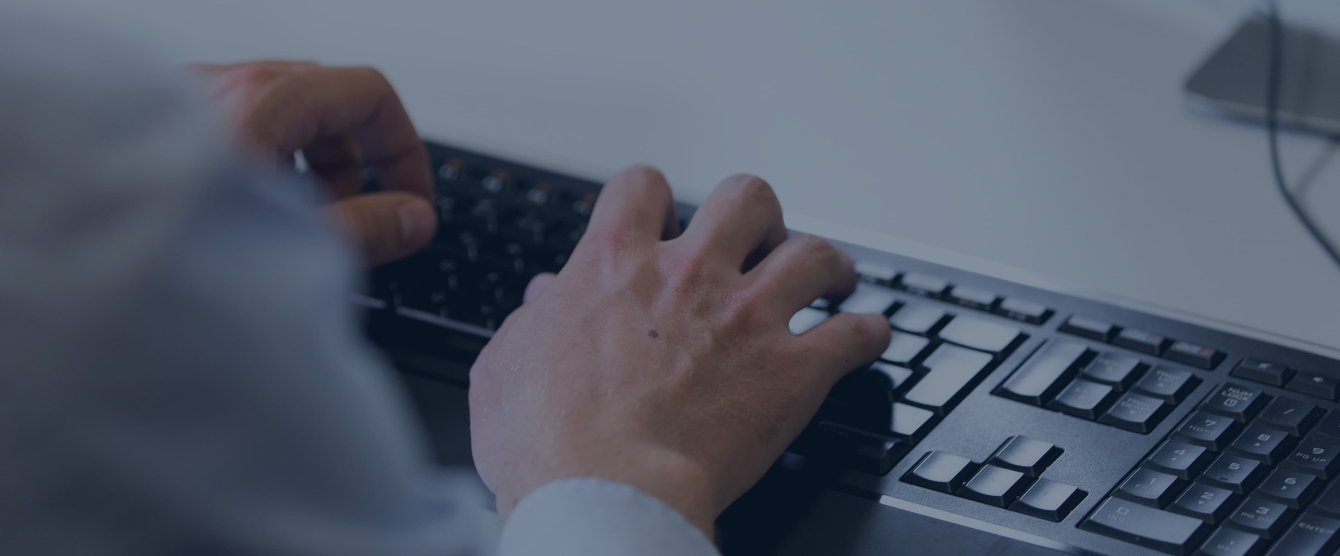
x=386, y=226
x=313, y=102
x=804, y=268
x=740, y=217
x=337, y=163
x=537, y=285
x=843, y=343
x=636, y=200
x=226, y=78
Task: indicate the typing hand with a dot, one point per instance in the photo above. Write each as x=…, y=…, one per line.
x=665, y=362
x=337, y=116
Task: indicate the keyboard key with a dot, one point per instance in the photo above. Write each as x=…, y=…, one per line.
x=1231, y=542
x=1136, y=413
x=982, y=335
x=1150, y=488
x=922, y=284
x=904, y=348
x=1114, y=369
x=1239, y=402
x=1045, y=373
x=1262, y=517
x=973, y=298
x=1291, y=415
x=917, y=319
x=1206, y=503
x=856, y=449
x=869, y=298
x=1083, y=399
x=876, y=272
x=940, y=471
x=1049, y=500
x=1312, y=535
x=1089, y=328
x=1194, y=355
x=1329, y=426
x=1139, y=340
x=1329, y=501
x=1316, y=456
x=1263, y=372
x=910, y=423
x=806, y=319
x=1313, y=384
x=1179, y=458
x=1210, y=430
x=994, y=485
x=1235, y=473
x=1025, y=455
x=1291, y=487
x=1145, y=526
x=898, y=377
x=952, y=370
x=1023, y=311
x=1264, y=443
x=1170, y=384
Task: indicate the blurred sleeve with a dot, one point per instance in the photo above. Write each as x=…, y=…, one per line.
x=180, y=372
x=594, y=517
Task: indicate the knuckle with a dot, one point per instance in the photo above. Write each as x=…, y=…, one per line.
x=692, y=270
x=751, y=188
x=370, y=73
x=256, y=76
x=817, y=248
x=641, y=178
x=642, y=173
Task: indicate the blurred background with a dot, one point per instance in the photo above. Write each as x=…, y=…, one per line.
x=1047, y=135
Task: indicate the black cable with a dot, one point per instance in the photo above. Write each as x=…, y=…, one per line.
x=1273, y=79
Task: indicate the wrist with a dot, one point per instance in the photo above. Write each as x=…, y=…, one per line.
x=674, y=479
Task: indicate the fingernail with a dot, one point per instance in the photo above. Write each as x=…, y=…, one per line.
x=416, y=221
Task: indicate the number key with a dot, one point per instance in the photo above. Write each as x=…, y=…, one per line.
x=1210, y=430
x=1316, y=456
x=1206, y=503
x=1235, y=473
x=1150, y=488
x=1263, y=443
x=1262, y=517
x=1291, y=487
x=1178, y=458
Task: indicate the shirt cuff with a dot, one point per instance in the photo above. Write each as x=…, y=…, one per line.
x=595, y=517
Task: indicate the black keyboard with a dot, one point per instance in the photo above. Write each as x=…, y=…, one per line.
x=1099, y=429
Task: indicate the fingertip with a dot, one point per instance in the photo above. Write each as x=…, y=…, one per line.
x=847, y=341
x=418, y=223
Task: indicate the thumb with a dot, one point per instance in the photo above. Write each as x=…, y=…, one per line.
x=537, y=285
x=387, y=225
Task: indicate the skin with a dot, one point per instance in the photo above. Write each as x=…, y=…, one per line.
x=338, y=117
x=656, y=358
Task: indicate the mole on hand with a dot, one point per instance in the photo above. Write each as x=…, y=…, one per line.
x=653, y=334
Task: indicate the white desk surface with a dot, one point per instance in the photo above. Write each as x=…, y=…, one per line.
x=1047, y=135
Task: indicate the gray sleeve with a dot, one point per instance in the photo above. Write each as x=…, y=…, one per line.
x=180, y=371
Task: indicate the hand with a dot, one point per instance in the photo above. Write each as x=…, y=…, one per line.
x=667, y=364
x=337, y=116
